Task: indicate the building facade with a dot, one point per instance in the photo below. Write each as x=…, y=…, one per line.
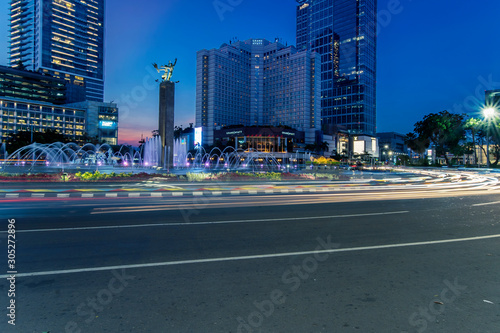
x=31, y=85
x=343, y=33
x=24, y=115
x=35, y=86
x=268, y=139
x=257, y=83
x=391, y=145
x=76, y=121
x=101, y=120
x=62, y=38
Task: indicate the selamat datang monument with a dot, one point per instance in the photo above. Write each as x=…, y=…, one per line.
x=166, y=115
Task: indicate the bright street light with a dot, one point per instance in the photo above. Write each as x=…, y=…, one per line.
x=489, y=113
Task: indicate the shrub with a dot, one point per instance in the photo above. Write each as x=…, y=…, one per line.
x=198, y=177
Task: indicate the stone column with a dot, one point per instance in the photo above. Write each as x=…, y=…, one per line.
x=166, y=123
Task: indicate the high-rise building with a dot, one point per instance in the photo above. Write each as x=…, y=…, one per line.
x=343, y=32
x=62, y=38
x=257, y=83
x=20, y=115
x=33, y=86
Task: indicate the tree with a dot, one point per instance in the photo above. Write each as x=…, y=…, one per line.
x=495, y=149
x=318, y=148
x=177, y=132
x=403, y=160
x=23, y=138
x=324, y=146
x=418, y=145
x=86, y=138
x=443, y=130
x=365, y=156
x=20, y=65
x=472, y=126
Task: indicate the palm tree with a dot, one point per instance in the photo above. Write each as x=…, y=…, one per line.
x=324, y=146
x=473, y=125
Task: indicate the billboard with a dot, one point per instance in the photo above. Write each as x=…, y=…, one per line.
x=198, y=135
x=359, y=147
x=107, y=124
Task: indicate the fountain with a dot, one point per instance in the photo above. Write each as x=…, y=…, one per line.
x=3, y=151
x=59, y=157
x=151, y=150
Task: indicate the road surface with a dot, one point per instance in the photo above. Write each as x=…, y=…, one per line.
x=422, y=257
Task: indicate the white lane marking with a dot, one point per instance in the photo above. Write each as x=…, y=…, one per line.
x=217, y=193
x=253, y=257
x=269, y=191
x=197, y=194
x=63, y=195
x=235, y=192
x=87, y=195
x=38, y=195
x=111, y=195
x=177, y=194
x=206, y=223
x=134, y=194
x=12, y=195
x=156, y=194
x=252, y=192
x=486, y=204
x=284, y=191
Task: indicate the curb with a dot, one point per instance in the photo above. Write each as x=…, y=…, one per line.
x=138, y=194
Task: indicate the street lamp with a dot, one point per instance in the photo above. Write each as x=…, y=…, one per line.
x=489, y=113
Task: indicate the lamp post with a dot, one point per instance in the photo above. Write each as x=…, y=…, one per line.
x=489, y=113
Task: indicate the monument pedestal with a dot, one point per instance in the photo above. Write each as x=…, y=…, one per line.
x=166, y=123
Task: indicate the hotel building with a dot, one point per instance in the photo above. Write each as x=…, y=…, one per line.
x=257, y=83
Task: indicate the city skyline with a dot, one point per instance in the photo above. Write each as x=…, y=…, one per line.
x=422, y=68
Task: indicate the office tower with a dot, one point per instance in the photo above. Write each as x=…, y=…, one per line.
x=343, y=32
x=257, y=83
x=20, y=115
x=94, y=119
x=62, y=38
x=32, y=86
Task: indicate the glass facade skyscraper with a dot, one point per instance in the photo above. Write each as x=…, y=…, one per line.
x=63, y=38
x=257, y=83
x=343, y=32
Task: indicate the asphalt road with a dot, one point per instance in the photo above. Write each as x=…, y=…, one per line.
x=383, y=261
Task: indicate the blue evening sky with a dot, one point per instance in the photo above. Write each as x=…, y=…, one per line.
x=432, y=55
